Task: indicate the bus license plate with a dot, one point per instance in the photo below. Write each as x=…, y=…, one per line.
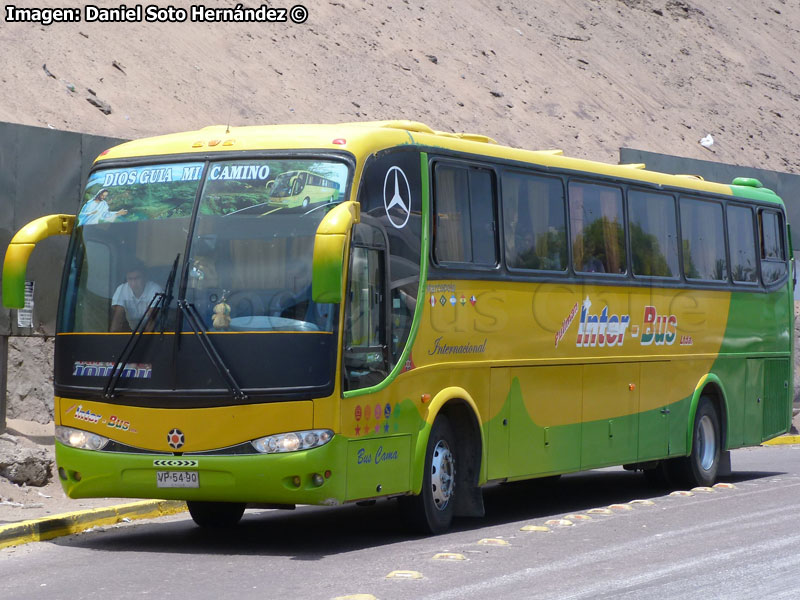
x=177, y=479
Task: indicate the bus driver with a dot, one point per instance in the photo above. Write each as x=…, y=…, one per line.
x=131, y=299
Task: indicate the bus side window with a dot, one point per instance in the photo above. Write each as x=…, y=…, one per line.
x=654, y=234
x=365, y=356
x=598, y=235
x=534, y=223
x=703, y=239
x=773, y=253
x=466, y=230
x=742, y=244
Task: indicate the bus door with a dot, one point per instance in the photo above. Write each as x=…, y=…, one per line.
x=536, y=421
x=299, y=183
x=658, y=382
x=610, y=417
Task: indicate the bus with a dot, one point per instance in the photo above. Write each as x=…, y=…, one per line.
x=301, y=188
x=464, y=313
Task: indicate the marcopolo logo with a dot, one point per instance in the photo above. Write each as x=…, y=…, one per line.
x=83, y=368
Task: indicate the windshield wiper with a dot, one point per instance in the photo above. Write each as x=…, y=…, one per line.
x=168, y=293
x=196, y=322
x=159, y=301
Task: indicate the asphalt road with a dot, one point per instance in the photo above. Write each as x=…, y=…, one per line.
x=738, y=542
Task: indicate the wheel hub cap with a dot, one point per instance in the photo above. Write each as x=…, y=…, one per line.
x=707, y=443
x=442, y=475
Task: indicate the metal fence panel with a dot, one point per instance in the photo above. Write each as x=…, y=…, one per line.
x=42, y=172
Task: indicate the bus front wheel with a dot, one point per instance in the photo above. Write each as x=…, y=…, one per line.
x=432, y=510
x=701, y=466
x=215, y=515
x=306, y=202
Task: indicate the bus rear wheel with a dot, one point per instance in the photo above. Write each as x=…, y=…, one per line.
x=701, y=466
x=215, y=515
x=431, y=512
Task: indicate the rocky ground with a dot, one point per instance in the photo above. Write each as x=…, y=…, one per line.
x=27, y=458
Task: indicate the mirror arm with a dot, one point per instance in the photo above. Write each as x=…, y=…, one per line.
x=20, y=249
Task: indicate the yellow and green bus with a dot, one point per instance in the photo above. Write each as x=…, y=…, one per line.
x=463, y=313
x=301, y=188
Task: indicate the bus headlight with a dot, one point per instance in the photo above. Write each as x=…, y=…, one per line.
x=292, y=441
x=78, y=438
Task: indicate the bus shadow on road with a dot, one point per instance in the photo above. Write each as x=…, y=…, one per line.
x=313, y=533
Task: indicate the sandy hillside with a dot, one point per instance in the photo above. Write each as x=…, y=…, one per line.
x=585, y=76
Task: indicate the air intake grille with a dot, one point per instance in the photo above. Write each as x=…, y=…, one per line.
x=776, y=397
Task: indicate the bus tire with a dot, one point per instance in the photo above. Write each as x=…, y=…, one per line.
x=306, y=202
x=700, y=467
x=431, y=512
x=215, y=515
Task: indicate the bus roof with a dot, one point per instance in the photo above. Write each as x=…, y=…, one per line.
x=364, y=138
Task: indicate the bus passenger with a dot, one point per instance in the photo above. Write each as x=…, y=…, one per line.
x=131, y=299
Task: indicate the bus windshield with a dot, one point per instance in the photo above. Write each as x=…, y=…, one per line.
x=246, y=268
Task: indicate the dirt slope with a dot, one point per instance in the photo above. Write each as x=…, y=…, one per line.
x=586, y=76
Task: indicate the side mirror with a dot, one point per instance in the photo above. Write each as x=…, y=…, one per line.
x=19, y=251
x=330, y=243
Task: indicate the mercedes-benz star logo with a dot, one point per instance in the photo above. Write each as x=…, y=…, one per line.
x=397, y=196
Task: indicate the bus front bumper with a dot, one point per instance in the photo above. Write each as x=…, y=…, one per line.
x=315, y=476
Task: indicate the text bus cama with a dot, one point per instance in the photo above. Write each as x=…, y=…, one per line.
x=443, y=312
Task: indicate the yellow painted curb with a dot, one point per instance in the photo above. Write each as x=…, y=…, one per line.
x=783, y=440
x=47, y=528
